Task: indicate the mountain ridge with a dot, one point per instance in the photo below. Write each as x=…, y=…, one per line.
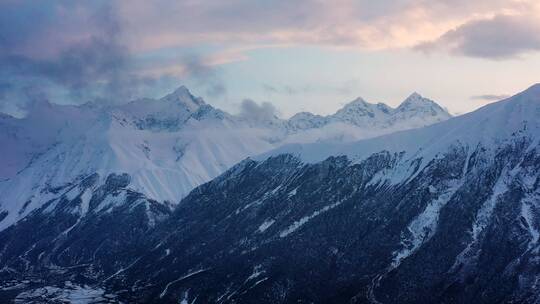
x=447, y=213
x=169, y=145
x=525, y=105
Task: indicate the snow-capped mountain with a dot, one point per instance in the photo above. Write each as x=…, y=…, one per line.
x=448, y=213
x=415, y=111
x=167, y=146
x=487, y=126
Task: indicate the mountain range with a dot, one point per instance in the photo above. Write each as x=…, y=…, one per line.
x=167, y=146
x=173, y=201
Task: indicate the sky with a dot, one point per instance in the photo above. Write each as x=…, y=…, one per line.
x=302, y=55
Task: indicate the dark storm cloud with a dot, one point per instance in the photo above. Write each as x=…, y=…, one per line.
x=70, y=48
x=500, y=37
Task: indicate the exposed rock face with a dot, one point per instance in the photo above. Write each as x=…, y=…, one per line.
x=90, y=231
x=432, y=215
x=168, y=146
x=462, y=229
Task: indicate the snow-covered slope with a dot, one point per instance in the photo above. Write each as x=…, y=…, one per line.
x=360, y=119
x=449, y=213
x=167, y=146
x=488, y=126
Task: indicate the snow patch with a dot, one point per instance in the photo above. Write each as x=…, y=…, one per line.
x=297, y=224
x=69, y=293
x=424, y=226
x=190, y=274
x=528, y=206
x=265, y=225
x=292, y=192
x=257, y=271
x=483, y=216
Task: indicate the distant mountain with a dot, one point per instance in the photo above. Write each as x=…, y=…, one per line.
x=414, y=112
x=448, y=213
x=167, y=146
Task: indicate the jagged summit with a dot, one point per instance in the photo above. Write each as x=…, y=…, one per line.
x=416, y=101
x=358, y=102
x=517, y=116
x=361, y=103
x=184, y=96
x=447, y=213
x=357, y=107
x=168, y=146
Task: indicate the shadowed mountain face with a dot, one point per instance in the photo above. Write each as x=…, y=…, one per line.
x=462, y=229
x=432, y=215
x=167, y=146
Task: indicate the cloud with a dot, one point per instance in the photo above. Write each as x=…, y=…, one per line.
x=71, y=50
x=115, y=50
x=252, y=111
x=500, y=37
x=204, y=74
x=341, y=89
x=286, y=89
x=340, y=23
x=490, y=97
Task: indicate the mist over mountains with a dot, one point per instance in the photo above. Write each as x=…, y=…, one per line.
x=173, y=200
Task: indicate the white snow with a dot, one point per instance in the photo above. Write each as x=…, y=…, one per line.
x=484, y=215
x=292, y=192
x=487, y=127
x=121, y=270
x=167, y=146
x=190, y=274
x=297, y=224
x=531, y=220
x=85, y=201
x=424, y=226
x=111, y=201
x=257, y=271
x=265, y=225
x=68, y=293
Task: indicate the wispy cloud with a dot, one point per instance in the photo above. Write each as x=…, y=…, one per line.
x=340, y=23
x=490, y=97
x=342, y=89
x=113, y=50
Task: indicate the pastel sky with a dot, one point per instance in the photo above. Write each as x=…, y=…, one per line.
x=299, y=55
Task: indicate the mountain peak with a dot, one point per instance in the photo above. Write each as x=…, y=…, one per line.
x=359, y=104
x=184, y=96
x=415, y=95
x=356, y=107
x=416, y=102
x=359, y=101
x=181, y=90
x=416, y=99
